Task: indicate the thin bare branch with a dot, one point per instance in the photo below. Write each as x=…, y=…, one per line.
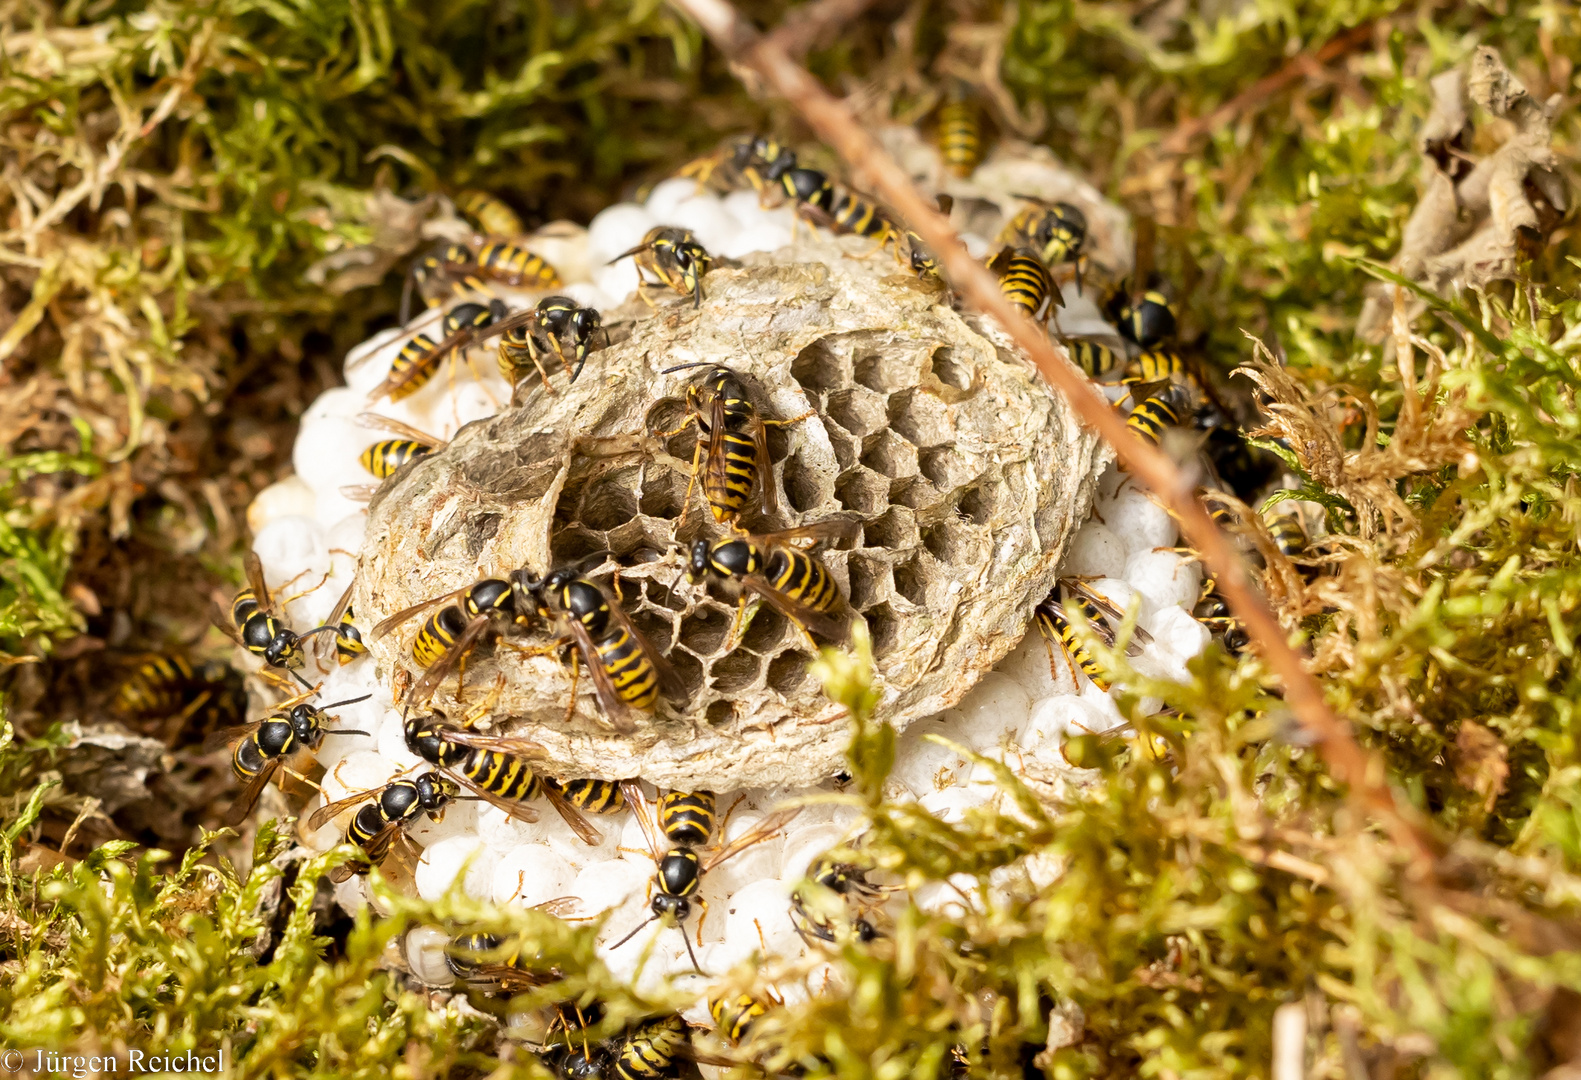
x=805, y=27
x=876, y=171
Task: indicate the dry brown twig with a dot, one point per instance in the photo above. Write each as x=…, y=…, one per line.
x=876, y=171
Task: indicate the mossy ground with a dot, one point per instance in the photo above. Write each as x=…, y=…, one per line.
x=172, y=171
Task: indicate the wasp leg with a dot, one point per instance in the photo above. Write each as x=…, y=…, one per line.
x=792, y=420
x=280, y=605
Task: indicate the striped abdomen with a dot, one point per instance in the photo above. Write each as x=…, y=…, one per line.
x=687, y=817
x=1056, y=627
x=1025, y=282
x=517, y=266
x=728, y=495
x=420, y=356
x=158, y=688
x=501, y=774
x=1149, y=419
x=960, y=137
x=594, y=796
x=489, y=213
x=855, y=214
x=384, y=457
x=802, y=577
x=634, y=676
x=1096, y=359
x=1155, y=365
x=440, y=631
x=348, y=639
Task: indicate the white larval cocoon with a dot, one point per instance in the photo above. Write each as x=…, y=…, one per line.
x=1139, y=521
x=1096, y=551
x=291, y=497
x=1163, y=579
x=530, y=875
x=617, y=229
x=305, y=527
x=444, y=861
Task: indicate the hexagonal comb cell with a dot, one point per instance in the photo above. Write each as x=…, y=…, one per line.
x=869, y=576
x=804, y=487
x=610, y=501
x=948, y=370
x=862, y=490
x=886, y=373
x=735, y=671
x=945, y=466
x=884, y=623
x=978, y=504
x=910, y=580
x=765, y=632
x=896, y=530
x=858, y=410
x=920, y=417
x=823, y=365
x=787, y=671
x=891, y=455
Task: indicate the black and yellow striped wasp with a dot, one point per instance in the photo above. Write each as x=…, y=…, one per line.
x=259, y=750
x=680, y=868
x=651, y=1051
x=347, y=640
x=757, y=161
x=732, y=434
x=960, y=131
x=1056, y=231
x=674, y=258
x=592, y=796
x=167, y=686
x=628, y=673
x=448, y=636
x=1289, y=532
x=1212, y=610
x=256, y=626
x=792, y=581
x=1167, y=407
x=490, y=213
x=492, y=767
x=840, y=210
x=469, y=270
x=1099, y=361
x=848, y=882
x=386, y=457
x=385, y=813
x=1024, y=280
x=555, y=322
x=419, y=359
x=1100, y=614
x=735, y=1014
x=1147, y=320
x=495, y=963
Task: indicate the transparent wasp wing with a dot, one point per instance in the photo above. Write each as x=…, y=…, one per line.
x=1139, y=637
x=817, y=531
x=377, y=422
x=616, y=711
x=386, y=625
x=253, y=567
x=328, y=812
x=227, y=737
x=758, y=833
x=583, y=828
x=249, y=795
x=517, y=810
x=716, y=465
x=442, y=667
x=670, y=685
x=224, y=624
x=359, y=492
x=638, y=801
x=324, y=647
x=834, y=625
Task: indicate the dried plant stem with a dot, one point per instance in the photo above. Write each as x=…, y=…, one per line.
x=875, y=170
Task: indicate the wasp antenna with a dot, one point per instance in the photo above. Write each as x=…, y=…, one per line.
x=305, y=684
x=348, y=701
x=637, y=931
x=683, y=367
x=689, y=952
x=673, y=583
x=347, y=731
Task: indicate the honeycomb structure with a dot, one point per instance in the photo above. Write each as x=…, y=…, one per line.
x=965, y=475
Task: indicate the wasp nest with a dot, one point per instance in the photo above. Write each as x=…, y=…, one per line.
x=966, y=473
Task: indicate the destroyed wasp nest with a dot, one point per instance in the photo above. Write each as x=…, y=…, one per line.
x=966, y=473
